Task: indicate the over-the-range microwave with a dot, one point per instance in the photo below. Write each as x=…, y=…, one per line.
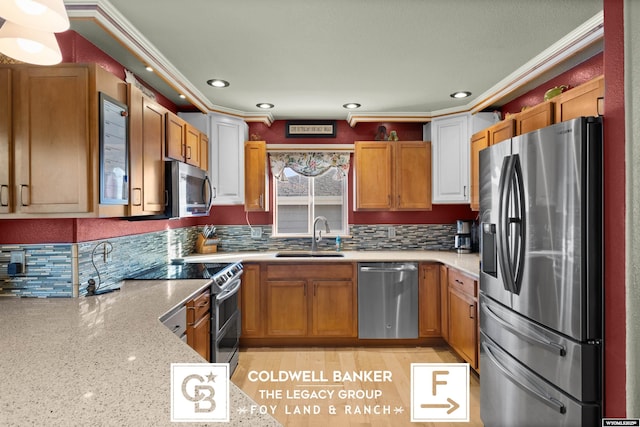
x=189, y=191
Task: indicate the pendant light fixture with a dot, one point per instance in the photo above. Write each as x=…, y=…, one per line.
x=44, y=15
x=27, y=30
x=28, y=45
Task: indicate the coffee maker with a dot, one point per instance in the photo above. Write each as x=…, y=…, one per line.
x=463, y=236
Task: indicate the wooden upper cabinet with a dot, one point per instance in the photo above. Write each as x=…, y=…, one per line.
x=176, y=145
x=373, y=169
x=584, y=100
x=6, y=143
x=501, y=131
x=393, y=175
x=52, y=137
x=192, y=144
x=534, y=118
x=204, y=151
x=255, y=181
x=413, y=175
x=479, y=141
x=146, y=155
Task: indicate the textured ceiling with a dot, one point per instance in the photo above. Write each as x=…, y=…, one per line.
x=308, y=57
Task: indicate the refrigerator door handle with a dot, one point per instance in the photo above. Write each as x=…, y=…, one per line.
x=549, y=345
x=504, y=188
x=520, y=224
x=529, y=388
x=512, y=228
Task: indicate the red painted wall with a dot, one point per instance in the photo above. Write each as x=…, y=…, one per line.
x=614, y=211
x=581, y=73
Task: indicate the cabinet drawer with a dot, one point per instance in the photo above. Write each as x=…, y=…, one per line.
x=198, y=307
x=463, y=283
x=316, y=271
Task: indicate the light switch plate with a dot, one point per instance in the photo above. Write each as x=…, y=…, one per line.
x=256, y=232
x=391, y=232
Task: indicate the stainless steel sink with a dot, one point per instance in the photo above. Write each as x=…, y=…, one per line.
x=308, y=254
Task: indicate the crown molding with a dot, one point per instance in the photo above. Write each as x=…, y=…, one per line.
x=117, y=26
x=588, y=34
x=267, y=118
x=114, y=23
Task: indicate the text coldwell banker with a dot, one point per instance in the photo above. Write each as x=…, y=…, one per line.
x=319, y=376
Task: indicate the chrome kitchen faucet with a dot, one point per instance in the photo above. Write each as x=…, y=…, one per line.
x=314, y=239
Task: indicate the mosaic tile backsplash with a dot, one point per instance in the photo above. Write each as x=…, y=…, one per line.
x=50, y=268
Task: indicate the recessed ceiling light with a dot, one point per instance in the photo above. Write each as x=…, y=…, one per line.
x=264, y=105
x=149, y=69
x=218, y=83
x=351, y=105
x=460, y=94
x=182, y=96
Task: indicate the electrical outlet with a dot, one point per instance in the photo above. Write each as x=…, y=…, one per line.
x=391, y=232
x=256, y=232
x=19, y=257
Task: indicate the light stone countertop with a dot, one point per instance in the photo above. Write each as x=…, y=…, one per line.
x=468, y=263
x=103, y=360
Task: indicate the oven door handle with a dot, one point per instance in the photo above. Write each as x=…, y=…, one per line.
x=228, y=293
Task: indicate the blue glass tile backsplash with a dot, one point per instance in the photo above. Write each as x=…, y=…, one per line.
x=63, y=270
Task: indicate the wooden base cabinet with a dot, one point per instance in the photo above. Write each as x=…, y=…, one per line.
x=199, y=324
x=287, y=308
x=251, y=302
x=429, y=300
x=310, y=300
x=463, y=316
x=333, y=308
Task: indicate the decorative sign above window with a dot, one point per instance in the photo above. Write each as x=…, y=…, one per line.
x=311, y=129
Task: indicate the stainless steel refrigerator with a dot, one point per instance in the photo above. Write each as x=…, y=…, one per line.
x=541, y=278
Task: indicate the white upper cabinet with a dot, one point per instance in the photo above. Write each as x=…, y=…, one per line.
x=450, y=142
x=226, y=154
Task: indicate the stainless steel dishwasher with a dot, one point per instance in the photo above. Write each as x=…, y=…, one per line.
x=387, y=300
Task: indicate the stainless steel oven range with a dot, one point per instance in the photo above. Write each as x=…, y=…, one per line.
x=225, y=315
x=225, y=282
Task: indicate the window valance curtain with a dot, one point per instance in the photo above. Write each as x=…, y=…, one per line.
x=309, y=164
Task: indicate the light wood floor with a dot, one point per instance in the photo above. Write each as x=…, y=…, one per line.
x=323, y=362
